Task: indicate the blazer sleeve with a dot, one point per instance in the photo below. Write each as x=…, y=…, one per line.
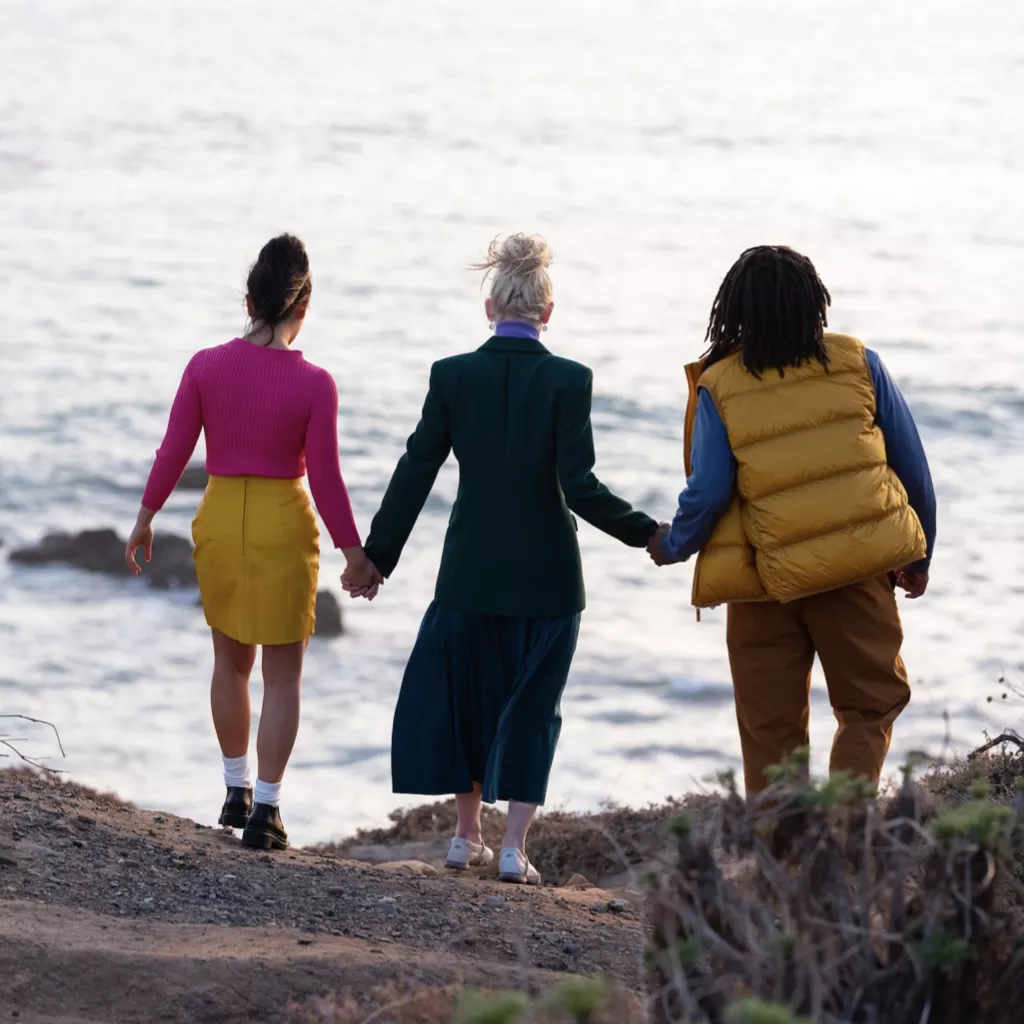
x=584, y=493
x=425, y=453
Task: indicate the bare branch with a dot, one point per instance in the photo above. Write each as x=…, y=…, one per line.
x=28, y=760
x=1007, y=737
x=40, y=721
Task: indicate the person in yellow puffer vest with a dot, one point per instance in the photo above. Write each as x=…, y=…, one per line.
x=809, y=500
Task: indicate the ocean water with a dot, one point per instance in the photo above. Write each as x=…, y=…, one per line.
x=147, y=151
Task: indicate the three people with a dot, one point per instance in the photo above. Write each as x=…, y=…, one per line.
x=808, y=499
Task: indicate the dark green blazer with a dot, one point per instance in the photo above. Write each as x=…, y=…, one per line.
x=518, y=420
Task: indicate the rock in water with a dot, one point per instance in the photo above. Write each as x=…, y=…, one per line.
x=93, y=550
x=328, y=615
x=195, y=478
x=172, y=564
x=103, y=551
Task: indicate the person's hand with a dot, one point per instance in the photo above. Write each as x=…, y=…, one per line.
x=361, y=577
x=654, y=545
x=914, y=583
x=141, y=537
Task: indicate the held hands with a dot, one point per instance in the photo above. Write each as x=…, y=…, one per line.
x=141, y=537
x=361, y=577
x=654, y=545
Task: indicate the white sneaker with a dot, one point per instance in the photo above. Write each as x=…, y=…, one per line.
x=514, y=866
x=463, y=854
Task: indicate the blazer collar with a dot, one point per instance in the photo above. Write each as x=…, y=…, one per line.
x=529, y=346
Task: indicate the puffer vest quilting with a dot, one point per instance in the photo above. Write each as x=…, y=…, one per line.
x=816, y=505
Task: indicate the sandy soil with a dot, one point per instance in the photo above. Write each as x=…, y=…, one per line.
x=113, y=914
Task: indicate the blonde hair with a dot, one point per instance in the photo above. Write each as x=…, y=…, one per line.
x=517, y=266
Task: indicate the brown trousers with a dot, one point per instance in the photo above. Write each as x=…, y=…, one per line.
x=856, y=633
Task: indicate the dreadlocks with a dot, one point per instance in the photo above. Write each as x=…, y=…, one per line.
x=773, y=306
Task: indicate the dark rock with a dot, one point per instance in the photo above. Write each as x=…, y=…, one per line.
x=93, y=550
x=618, y=906
x=494, y=901
x=103, y=551
x=195, y=478
x=328, y=615
x=172, y=564
x=572, y=948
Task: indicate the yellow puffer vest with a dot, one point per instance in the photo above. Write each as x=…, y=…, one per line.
x=816, y=505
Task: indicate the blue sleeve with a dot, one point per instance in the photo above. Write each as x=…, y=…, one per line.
x=904, y=451
x=708, y=488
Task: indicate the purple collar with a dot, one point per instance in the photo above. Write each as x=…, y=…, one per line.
x=517, y=329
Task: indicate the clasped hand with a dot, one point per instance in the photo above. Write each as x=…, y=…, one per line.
x=654, y=545
x=361, y=577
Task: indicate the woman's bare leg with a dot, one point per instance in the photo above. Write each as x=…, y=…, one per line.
x=520, y=818
x=279, y=718
x=229, y=693
x=468, y=805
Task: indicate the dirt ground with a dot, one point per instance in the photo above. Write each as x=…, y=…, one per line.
x=111, y=915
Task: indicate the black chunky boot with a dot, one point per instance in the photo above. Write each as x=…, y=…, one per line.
x=265, y=830
x=237, y=807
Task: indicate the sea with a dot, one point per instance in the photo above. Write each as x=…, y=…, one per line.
x=147, y=151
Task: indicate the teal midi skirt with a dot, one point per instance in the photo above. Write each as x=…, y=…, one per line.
x=480, y=703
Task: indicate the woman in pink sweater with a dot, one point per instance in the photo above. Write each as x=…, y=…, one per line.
x=269, y=417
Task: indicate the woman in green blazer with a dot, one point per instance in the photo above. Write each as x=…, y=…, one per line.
x=478, y=713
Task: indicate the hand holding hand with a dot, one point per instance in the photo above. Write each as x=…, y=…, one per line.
x=361, y=577
x=914, y=583
x=654, y=545
x=141, y=537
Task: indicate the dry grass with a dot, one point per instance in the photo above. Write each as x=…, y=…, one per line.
x=853, y=910
x=586, y=1000
x=599, y=845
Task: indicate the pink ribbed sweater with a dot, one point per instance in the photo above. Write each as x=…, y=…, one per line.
x=266, y=412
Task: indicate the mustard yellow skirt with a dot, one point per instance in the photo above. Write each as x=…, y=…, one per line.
x=257, y=555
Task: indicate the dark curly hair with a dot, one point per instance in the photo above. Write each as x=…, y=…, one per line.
x=773, y=307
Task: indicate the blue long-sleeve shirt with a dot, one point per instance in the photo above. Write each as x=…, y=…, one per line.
x=712, y=478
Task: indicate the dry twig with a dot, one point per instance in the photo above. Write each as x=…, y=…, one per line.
x=9, y=742
x=856, y=912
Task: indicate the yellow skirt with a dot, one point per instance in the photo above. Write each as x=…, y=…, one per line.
x=257, y=555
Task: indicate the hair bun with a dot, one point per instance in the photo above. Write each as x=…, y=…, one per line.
x=279, y=281
x=518, y=268
x=517, y=255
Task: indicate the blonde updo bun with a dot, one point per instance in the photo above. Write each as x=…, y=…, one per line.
x=517, y=266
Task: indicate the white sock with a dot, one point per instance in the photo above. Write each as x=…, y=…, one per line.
x=236, y=771
x=267, y=793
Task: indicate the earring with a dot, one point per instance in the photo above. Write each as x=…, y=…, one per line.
x=543, y=327
x=490, y=326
